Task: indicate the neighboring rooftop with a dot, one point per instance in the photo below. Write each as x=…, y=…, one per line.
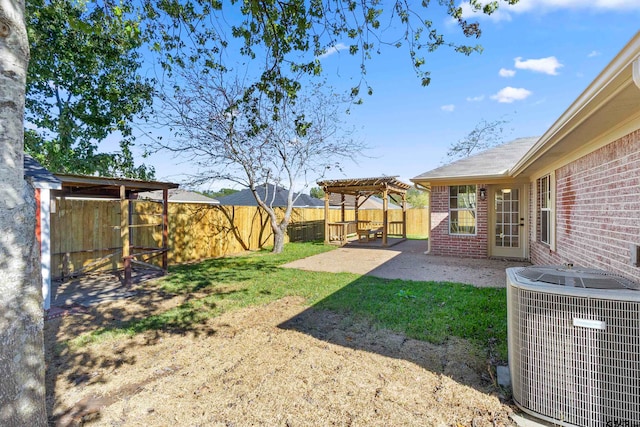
x=178, y=195
x=273, y=195
x=494, y=162
x=40, y=176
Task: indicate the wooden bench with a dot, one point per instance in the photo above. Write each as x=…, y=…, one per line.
x=369, y=233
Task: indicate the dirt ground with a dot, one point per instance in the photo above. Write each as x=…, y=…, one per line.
x=281, y=364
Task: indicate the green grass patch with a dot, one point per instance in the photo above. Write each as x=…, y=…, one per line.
x=430, y=311
x=417, y=237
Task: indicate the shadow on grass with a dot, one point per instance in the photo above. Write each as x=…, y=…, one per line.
x=453, y=329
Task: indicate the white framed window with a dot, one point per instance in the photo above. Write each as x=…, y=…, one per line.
x=545, y=209
x=462, y=210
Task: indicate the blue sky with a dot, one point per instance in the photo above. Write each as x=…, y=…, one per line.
x=538, y=57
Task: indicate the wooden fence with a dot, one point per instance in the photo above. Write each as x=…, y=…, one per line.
x=85, y=234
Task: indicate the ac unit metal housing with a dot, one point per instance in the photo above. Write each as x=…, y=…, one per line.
x=574, y=345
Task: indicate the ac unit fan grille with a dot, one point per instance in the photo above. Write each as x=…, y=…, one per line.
x=576, y=277
x=576, y=376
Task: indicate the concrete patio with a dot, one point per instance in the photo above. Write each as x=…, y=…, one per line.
x=408, y=261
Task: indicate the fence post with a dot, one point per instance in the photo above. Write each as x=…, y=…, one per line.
x=165, y=229
x=124, y=235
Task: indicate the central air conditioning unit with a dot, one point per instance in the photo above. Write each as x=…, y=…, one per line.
x=574, y=345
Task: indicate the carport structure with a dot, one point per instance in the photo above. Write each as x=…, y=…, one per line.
x=126, y=190
x=362, y=189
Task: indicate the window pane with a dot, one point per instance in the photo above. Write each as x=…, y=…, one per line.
x=462, y=222
x=462, y=209
x=544, y=226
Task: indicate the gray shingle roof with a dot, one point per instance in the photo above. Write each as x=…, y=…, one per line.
x=40, y=176
x=178, y=195
x=494, y=162
x=245, y=198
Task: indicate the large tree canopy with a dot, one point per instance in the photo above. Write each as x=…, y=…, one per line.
x=82, y=86
x=287, y=38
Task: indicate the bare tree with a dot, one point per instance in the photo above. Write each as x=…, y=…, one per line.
x=21, y=321
x=484, y=135
x=233, y=132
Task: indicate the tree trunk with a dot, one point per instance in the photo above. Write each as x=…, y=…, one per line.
x=21, y=317
x=278, y=240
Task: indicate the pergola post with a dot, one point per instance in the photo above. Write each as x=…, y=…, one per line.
x=385, y=215
x=326, y=217
x=124, y=234
x=355, y=208
x=404, y=215
x=342, y=216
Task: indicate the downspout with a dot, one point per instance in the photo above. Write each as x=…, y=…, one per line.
x=428, y=190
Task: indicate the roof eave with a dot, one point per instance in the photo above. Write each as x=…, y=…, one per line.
x=461, y=178
x=615, y=76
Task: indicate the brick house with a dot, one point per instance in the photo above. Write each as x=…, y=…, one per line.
x=571, y=195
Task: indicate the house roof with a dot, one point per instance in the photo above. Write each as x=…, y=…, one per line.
x=273, y=195
x=495, y=162
x=178, y=195
x=39, y=176
x=604, y=111
x=608, y=109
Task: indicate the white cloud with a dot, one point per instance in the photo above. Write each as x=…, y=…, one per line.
x=475, y=98
x=593, y=53
x=448, y=108
x=505, y=72
x=510, y=94
x=505, y=11
x=333, y=49
x=548, y=65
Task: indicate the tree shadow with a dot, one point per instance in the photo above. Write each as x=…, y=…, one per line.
x=151, y=313
x=348, y=318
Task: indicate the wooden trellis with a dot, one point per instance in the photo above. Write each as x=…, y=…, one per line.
x=126, y=190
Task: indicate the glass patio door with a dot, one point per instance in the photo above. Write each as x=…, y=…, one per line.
x=507, y=231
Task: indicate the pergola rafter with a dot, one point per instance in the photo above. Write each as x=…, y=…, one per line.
x=362, y=189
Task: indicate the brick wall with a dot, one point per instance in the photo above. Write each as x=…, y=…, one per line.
x=442, y=243
x=597, y=210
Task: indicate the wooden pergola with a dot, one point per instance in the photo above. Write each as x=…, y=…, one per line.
x=362, y=189
x=126, y=190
